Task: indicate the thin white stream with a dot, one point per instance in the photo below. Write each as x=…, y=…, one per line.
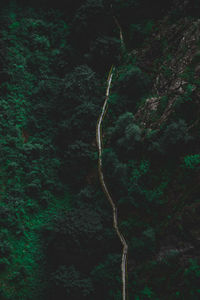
x=101, y=176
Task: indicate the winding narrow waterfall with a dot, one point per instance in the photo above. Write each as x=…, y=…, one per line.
x=105, y=189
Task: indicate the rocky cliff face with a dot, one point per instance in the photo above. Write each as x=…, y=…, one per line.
x=172, y=57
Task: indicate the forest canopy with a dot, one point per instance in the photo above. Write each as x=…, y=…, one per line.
x=56, y=229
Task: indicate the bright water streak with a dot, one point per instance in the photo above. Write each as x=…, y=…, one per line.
x=101, y=176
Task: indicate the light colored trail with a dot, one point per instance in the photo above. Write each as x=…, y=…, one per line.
x=105, y=189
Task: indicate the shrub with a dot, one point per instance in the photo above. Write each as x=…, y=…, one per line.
x=192, y=161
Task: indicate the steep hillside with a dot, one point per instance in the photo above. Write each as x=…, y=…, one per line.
x=57, y=239
x=152, y=159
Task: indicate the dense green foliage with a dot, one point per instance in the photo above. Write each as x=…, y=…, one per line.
x=56, y=236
